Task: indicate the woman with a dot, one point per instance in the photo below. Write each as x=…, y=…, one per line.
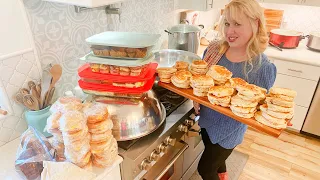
x=244, y=39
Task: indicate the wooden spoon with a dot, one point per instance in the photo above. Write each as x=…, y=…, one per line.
x=18, y=98
x=56, y=72
x=31, y=84
x=50, y=95
x=45, y=85
x=31, y=102
x=24, y=91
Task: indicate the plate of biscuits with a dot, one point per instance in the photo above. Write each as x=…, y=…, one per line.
x=216, y=88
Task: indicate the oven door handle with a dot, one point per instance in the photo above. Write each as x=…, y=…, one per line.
x=166, y=161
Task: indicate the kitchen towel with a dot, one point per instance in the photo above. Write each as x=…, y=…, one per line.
x=64, y=171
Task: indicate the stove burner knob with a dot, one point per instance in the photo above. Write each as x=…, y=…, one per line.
x=154, y=156
x=170, y=141
x=162, y=148
x=189, y=122
x=145, y=165
x=183, y=128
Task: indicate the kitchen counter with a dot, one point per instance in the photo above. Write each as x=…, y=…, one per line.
x=8, y=156
x=300, y=54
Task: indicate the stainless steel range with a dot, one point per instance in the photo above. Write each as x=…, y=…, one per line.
x=170, y=152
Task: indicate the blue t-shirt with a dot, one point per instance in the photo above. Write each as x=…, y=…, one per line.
x=222, y=129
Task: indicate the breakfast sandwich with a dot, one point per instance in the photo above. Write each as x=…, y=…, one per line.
x=181, y=79
x=267, y=120
x=236, y=82
x=221, y=91
x=221, y=101
x=199, y=67
x=277, y=91
x=250, y=92
x=280, y=115
x=165, y=74
x=219, y=74
x=220, y=95
x=201, y=84
x=181, y=65
x=238, y=101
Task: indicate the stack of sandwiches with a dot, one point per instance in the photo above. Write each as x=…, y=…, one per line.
x=181, y=65
x=165, y=74
x=181, y=79
x=199, y=67
x=220, y=95
x=244, y=104
x=279, y=107
x=201, y=84
x=220, y=74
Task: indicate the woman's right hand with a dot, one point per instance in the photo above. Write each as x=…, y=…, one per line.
x=196, y=107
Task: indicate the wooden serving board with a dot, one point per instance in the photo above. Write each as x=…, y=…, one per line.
x=188, y=93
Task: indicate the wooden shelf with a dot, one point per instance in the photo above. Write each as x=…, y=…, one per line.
x=188, y=93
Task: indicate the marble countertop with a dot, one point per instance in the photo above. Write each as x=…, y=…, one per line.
x=8, y=156
x=300, y=54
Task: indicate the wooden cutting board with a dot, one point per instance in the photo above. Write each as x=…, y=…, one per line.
x=188, y=93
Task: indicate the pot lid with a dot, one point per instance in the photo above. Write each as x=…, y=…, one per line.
x=286, y=32
x=184, y=28
x=315, y=34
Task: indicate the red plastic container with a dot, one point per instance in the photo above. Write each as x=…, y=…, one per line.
x=85, y=72
x=109, y=90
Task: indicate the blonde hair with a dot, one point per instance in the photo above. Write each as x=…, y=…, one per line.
x=259, y=40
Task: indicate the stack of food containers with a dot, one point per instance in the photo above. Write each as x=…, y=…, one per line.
x=119, y=65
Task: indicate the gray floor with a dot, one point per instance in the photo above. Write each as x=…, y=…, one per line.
x=235, y=165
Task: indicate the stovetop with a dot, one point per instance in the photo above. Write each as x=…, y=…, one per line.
x=171, y=102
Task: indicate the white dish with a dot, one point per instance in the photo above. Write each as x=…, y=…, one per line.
x=124, y=39
x=90, y=58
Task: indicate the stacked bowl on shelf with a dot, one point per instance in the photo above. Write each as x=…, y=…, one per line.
x=120, y=64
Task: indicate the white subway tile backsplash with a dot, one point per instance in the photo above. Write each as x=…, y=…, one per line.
x=5, y=134
x=10, y=122
x=15, y=72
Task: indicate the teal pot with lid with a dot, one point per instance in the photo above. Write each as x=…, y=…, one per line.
x=38, y=119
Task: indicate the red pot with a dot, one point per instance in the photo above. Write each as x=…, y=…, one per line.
x=284, y=38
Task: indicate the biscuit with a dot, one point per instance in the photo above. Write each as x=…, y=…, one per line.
x=221, y=91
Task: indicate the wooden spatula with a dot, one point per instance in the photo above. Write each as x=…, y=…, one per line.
x=31, y=102
x=56, y=72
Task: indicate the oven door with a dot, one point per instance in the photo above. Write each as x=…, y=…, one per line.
x=195, y=149
x=169, y=167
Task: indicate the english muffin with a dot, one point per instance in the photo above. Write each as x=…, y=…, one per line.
x=221, y=91
x=284, y=97
x=244, y=110
x=283, y=91
x=279, y=115
x=238, y=101
x=280, y=102
x=181, y=65
x=258, y=116
x=199, y=64
x=219, y=73
x=277, y=108
x=222, y=101
x=181, y=79
x=235, y=82
x=243, y=115
x=201, y=80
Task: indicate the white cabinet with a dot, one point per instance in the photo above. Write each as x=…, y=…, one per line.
x=87, y=3
x=14, y=33
x=201, y=5
x=296, y=2
x=301, y=78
